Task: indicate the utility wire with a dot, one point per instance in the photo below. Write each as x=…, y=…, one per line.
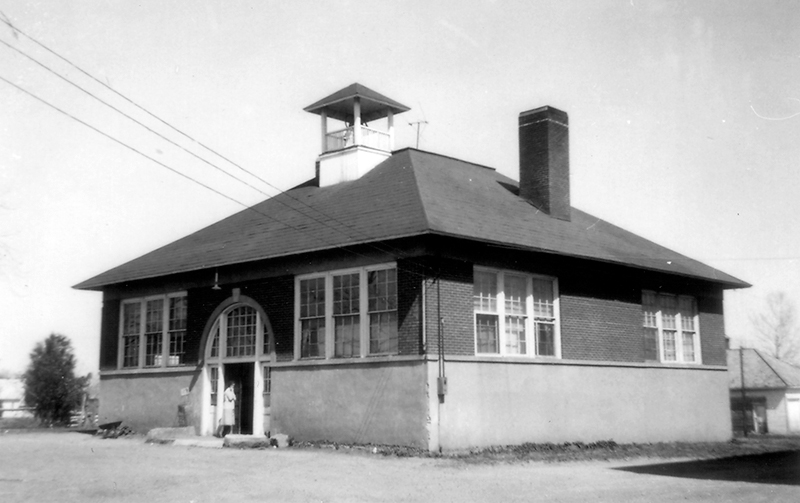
x=16, y=31
x=169, y=140
x=212, y=189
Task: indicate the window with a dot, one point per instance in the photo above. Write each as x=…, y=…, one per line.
x=670, y=327
x=515, y=314
x=346, y=318
x=154, y=328
x=312, y=317
x=241, y=332
x=347, y=314
x=213, y=379
x=151, y=328
x=177, y=330
x=131, y=321
x=382, y=311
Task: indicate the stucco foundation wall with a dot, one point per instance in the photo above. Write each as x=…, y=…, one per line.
x=143, y=402
x=491, y=403
x=382, y=403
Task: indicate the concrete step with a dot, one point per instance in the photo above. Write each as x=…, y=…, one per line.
x=208, y=442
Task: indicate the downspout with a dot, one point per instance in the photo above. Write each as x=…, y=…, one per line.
x=424, y=319
x=442, y=381
x=744, y=395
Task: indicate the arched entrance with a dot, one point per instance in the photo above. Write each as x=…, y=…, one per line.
x=239, y=349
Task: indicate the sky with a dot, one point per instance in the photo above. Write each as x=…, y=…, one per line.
x=684, y=125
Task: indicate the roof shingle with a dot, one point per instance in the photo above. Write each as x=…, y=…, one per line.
x=411, y=193
x=761, y=371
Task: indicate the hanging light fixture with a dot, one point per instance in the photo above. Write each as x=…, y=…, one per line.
x=216, y=281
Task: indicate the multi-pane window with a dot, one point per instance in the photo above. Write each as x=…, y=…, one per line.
x=241, y=332
x=177, y=330
x=154, y=327
x=544, y=313
x=312, y=317
x=382, y=307
x=486, y=319
x=670, y=327
x=214, y=352
x=516, y=296
x=147, y=324
x=213, y=379
x=347, y=314
x=346, y=318
x=515, y=314
x=131, y=324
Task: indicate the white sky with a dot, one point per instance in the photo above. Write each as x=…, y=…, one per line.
x=684, y=119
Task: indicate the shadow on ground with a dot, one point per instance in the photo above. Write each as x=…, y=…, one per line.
x=770, y=468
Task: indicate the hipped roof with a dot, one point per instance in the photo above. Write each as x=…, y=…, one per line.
x=412, y=193
x=761, y=371
x=339, y=105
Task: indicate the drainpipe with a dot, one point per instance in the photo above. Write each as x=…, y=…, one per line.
x=442, y=381
x=744, y=395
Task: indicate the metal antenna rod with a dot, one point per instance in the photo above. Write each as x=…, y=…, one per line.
x=417, y=123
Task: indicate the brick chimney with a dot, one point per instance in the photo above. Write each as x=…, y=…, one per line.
x=544, y=160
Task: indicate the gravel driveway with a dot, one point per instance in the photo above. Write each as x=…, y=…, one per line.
x=41, y=467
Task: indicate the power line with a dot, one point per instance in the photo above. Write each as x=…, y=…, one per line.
x=208, y=187
x=16, y=30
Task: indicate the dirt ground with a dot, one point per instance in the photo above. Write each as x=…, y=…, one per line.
x=41, y=467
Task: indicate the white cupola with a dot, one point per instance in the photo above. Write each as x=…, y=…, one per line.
x=363, y=137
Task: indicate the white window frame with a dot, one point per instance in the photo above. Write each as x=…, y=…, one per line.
x=220, y=327
x=261, y=359
x=531, y=346
x=164, y=361
x=363, y=313
x=679, y=332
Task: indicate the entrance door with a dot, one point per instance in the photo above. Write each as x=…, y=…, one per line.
x=241, y=374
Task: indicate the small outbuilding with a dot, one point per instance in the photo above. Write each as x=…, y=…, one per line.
x=771, y=399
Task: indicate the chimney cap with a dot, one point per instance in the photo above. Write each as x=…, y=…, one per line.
x=546, y=112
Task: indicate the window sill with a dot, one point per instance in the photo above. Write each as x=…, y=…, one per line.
x=550, y=360
x=149, y=370
x=308, y=362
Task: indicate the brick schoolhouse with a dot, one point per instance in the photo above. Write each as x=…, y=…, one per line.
x=404, y=297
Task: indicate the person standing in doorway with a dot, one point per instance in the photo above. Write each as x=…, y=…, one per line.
x=228, y=407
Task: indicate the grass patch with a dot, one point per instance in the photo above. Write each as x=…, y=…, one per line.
x=605, y=450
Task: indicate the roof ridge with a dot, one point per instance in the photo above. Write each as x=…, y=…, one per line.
x=417, y=191
x=445, y=157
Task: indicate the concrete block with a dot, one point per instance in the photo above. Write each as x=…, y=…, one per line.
x=279, y=440
x=246, y=441
x=171, y=433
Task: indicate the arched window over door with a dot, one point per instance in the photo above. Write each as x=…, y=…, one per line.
x=238, y=350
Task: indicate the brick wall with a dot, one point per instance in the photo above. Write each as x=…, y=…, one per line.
x=201, y=303
x=600, y=312
x=109, y=333
x=601, y=330
x=410, y=275
x=276, y=296
x=450, y=296
x=712, y=331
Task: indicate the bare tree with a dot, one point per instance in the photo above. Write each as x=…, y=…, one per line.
x=776, y=328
